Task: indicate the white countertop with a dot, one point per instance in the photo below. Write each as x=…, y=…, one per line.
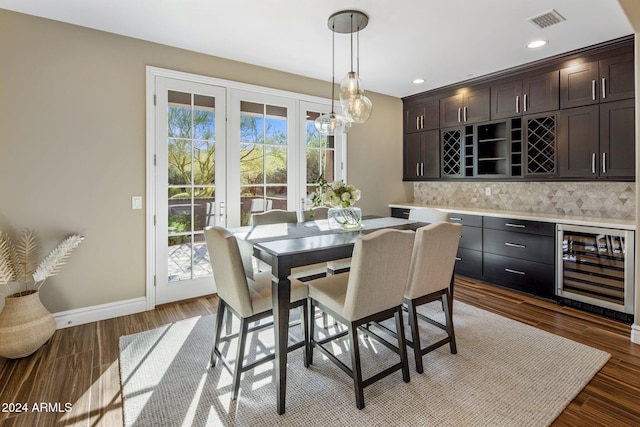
x=622, y=224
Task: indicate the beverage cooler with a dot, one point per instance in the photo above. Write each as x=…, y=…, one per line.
x=595, y=269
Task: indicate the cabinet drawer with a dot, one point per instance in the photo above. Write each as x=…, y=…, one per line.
x=469, y=263
x=520, y=226
x=400, y=213
x=471, y=238
x=519, y=245
x=528, y=276
x=466, y=219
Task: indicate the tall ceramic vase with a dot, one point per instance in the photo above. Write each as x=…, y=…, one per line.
x=25, y=325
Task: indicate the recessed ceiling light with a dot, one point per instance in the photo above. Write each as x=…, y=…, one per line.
x=537, y=43
x=418, y=81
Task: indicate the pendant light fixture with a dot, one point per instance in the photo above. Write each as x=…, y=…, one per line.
x=332, y=123
x=355, y=105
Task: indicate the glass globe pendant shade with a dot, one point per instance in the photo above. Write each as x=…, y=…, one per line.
x=351, y=86
x=357, y=108
x=331, y=123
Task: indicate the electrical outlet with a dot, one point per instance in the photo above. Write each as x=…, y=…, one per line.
x=487, y=191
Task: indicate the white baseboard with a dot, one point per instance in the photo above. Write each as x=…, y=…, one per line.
x=80, y=316
x=635, y=333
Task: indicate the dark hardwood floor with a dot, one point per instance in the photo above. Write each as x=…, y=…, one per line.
x=79, y=366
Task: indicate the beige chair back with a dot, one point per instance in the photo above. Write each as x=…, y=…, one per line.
x=228, y=271
x=379, y=270
x=429, y=215
x=433, y=258
x=321, y=212
x=275, y=216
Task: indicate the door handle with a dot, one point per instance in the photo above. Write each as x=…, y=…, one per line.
x=604, y=162
x=421, y=122
x=417, y=122
x=517, y=103
x=417, y=169
x=459, y=115
x=593, y=162
x=465, y=114
x=422, y=168
x=593, y=90
x=604, y=90
x=525, y=102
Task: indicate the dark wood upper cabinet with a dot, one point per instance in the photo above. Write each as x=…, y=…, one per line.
x=617, y=138
x=596, y=81
x=598, y=141
x=421, y=116
x=422, y=155
x=470, y=106
x=531, y=95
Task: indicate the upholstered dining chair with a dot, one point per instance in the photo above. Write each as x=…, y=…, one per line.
x=429, y=215
x=432, y=268
x=248, y=299
x=274, y=216
x=279, y=216
x=372, y=291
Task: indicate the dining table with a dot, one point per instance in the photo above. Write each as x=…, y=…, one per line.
x=288, y=245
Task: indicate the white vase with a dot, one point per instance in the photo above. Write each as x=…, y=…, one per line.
x=345, y=218
x=25, y=325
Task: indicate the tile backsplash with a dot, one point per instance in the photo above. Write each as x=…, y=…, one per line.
x=588, y=199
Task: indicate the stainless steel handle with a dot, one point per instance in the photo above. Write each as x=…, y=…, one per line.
x=593, y=162
x=593, y=90
x=421, y=122
x=604, y=162
x=515, y=245
x=455, y=218
x=421, y=169
x=510, y=224
x=604, y=88
x=525, y=102
x=465, y=114
x=417, y=169
x=459, y=115
x=417, y=122
x=508, y=270
x=517, y=103
x=458, y=258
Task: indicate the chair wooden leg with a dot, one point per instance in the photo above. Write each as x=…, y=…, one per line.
x=415, y=335
x=355, y=364
x=402, y=345
x=305, y=331
x=216, y=339
x=448, y=315
x=242, y=339
x=311, y=324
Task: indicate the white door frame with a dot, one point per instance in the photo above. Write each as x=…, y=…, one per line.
x=150, y=190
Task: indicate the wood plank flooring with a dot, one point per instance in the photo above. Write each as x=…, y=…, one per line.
x=79, y=366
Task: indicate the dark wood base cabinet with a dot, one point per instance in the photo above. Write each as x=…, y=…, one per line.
x=527, y=276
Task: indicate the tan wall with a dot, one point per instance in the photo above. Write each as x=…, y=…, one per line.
x=72, y=146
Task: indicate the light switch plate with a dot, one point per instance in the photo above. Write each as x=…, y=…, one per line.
x=136, y=202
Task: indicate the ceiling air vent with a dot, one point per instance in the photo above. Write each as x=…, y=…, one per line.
x=547, y=19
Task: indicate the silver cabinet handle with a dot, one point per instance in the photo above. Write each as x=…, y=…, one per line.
x=604, y=86
x=465, y=114
x=517, y=103
x=455, y=218
x=593, y=90
x=510, y=224
x=604, y=162
x=459, y=120
x=417, y=122
x=417, y=169
x=508, y=270
x=421, y=122
x=515, y=245
x=593, y=162
x=525, y=102
x=458, y=258
x=422, y=169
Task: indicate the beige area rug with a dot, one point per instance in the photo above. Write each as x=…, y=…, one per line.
x=505, y=374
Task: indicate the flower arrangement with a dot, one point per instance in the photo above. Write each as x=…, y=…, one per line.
x=18, y=262
x=337, y=195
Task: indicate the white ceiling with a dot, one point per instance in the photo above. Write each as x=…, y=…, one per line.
x=442, y=41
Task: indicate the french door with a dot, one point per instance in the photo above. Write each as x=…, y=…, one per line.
x=190, y=185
